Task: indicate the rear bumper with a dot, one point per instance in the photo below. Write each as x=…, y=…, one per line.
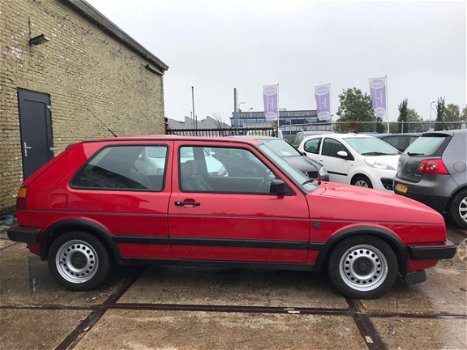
x=445, y=250
x=23, y=234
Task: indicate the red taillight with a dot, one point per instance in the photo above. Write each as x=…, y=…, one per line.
x=21, y=199
x=432, y=166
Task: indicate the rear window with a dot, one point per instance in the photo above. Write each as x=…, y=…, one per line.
x=426, y=146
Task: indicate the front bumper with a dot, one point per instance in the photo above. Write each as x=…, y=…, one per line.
x=445, y=250
x=23, y=234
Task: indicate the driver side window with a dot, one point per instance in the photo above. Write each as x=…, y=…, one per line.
x=223, y=170
x=331, y=147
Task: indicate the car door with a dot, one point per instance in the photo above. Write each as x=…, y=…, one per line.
x=226, y=213
x=338, y=167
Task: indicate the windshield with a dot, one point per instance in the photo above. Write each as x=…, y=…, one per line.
x=294, y=174
x=281, y=147
x=371, y=146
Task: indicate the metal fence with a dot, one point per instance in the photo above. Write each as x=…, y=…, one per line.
x=223, y=132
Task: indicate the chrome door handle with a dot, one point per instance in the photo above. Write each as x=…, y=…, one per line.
x=26, y=147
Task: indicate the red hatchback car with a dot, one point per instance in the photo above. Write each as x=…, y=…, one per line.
x=228, y=201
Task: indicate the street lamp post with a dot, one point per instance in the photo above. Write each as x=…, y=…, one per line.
x=431, y=108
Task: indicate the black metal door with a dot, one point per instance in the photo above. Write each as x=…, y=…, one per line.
x=36, y=130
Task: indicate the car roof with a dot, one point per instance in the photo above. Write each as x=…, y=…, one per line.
x=235, y=139
x=446, y=132
x=340, y=136
x=397, y=134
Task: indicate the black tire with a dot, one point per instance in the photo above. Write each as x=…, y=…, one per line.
x=363, y=267
x=361, y=180
x=458, y=209
x=78, y=261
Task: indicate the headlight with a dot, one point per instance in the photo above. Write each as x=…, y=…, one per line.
x=378, y=165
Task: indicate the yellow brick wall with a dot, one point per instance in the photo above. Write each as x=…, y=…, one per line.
x=84, y=70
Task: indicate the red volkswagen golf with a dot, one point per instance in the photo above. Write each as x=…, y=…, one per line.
x=227, y=201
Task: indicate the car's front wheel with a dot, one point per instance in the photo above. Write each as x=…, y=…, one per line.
x=363, y=267
x=78, y=261
x=458, y=209
x=362, y=181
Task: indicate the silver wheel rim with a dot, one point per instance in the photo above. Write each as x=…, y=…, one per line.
x=76, y=261
x=361, y=183
x=463, y=209
x=363, y=267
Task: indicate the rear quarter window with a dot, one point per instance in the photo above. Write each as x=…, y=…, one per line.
x=428, y=145
x=140, y=168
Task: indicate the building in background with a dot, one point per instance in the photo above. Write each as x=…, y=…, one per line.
x=189, y=123
x=67, y=73
x=290, y=122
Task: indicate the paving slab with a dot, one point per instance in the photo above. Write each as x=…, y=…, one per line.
x=25, y=280
x=210, y=286
x=5, y=243
x=37, y=329
x=404, y=333
x=146, y=329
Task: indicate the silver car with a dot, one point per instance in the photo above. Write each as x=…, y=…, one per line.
x=433, y=170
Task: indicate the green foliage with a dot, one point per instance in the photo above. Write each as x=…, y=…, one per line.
x=355, y=107
x=440, y=111
x=452, y=116
x=464, y=114
x=403, y=110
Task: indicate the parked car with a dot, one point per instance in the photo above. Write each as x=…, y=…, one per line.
x=91, y=207
x=312, y=168
x=432, y=170
x=399, y=141
x=360, y=160
x=299, y=136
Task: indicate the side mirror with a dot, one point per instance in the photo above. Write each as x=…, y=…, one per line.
x=277, y=187
x=342, y=154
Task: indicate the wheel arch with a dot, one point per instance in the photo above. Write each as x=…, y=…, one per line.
x=97, y=230
x=385, y=235
x=454, y=193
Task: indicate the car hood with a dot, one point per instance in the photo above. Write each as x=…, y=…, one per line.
x=354, y=203
x=303, y=163
x=391, y=160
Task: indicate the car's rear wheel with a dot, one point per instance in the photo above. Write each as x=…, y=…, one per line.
x=362, y=180
x=458, y=209
x=363, y=267
x=78, y=261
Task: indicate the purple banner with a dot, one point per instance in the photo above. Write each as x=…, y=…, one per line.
x=270, y=99
x=323, y=102
x=378, y=95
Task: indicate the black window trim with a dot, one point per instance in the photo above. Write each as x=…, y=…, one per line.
x=70, y=183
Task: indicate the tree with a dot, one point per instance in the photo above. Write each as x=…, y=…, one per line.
x=440, y=111
x=464, y=114
x=355, y=107
x=403, y=115
x=452, y=116
x=414, y=122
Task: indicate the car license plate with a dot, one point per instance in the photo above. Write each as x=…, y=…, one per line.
x=401, y=188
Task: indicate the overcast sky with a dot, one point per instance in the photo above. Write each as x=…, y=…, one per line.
x=217, y=45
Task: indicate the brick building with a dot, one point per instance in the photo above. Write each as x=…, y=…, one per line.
x=67, y=73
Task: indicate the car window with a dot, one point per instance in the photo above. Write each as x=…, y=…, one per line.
x=124, y=168
x=331, y=147
x=312, y=146
x=392, y=140
x=298, y=138
x=371, y=146
x=426, y=145
x=223, y=170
